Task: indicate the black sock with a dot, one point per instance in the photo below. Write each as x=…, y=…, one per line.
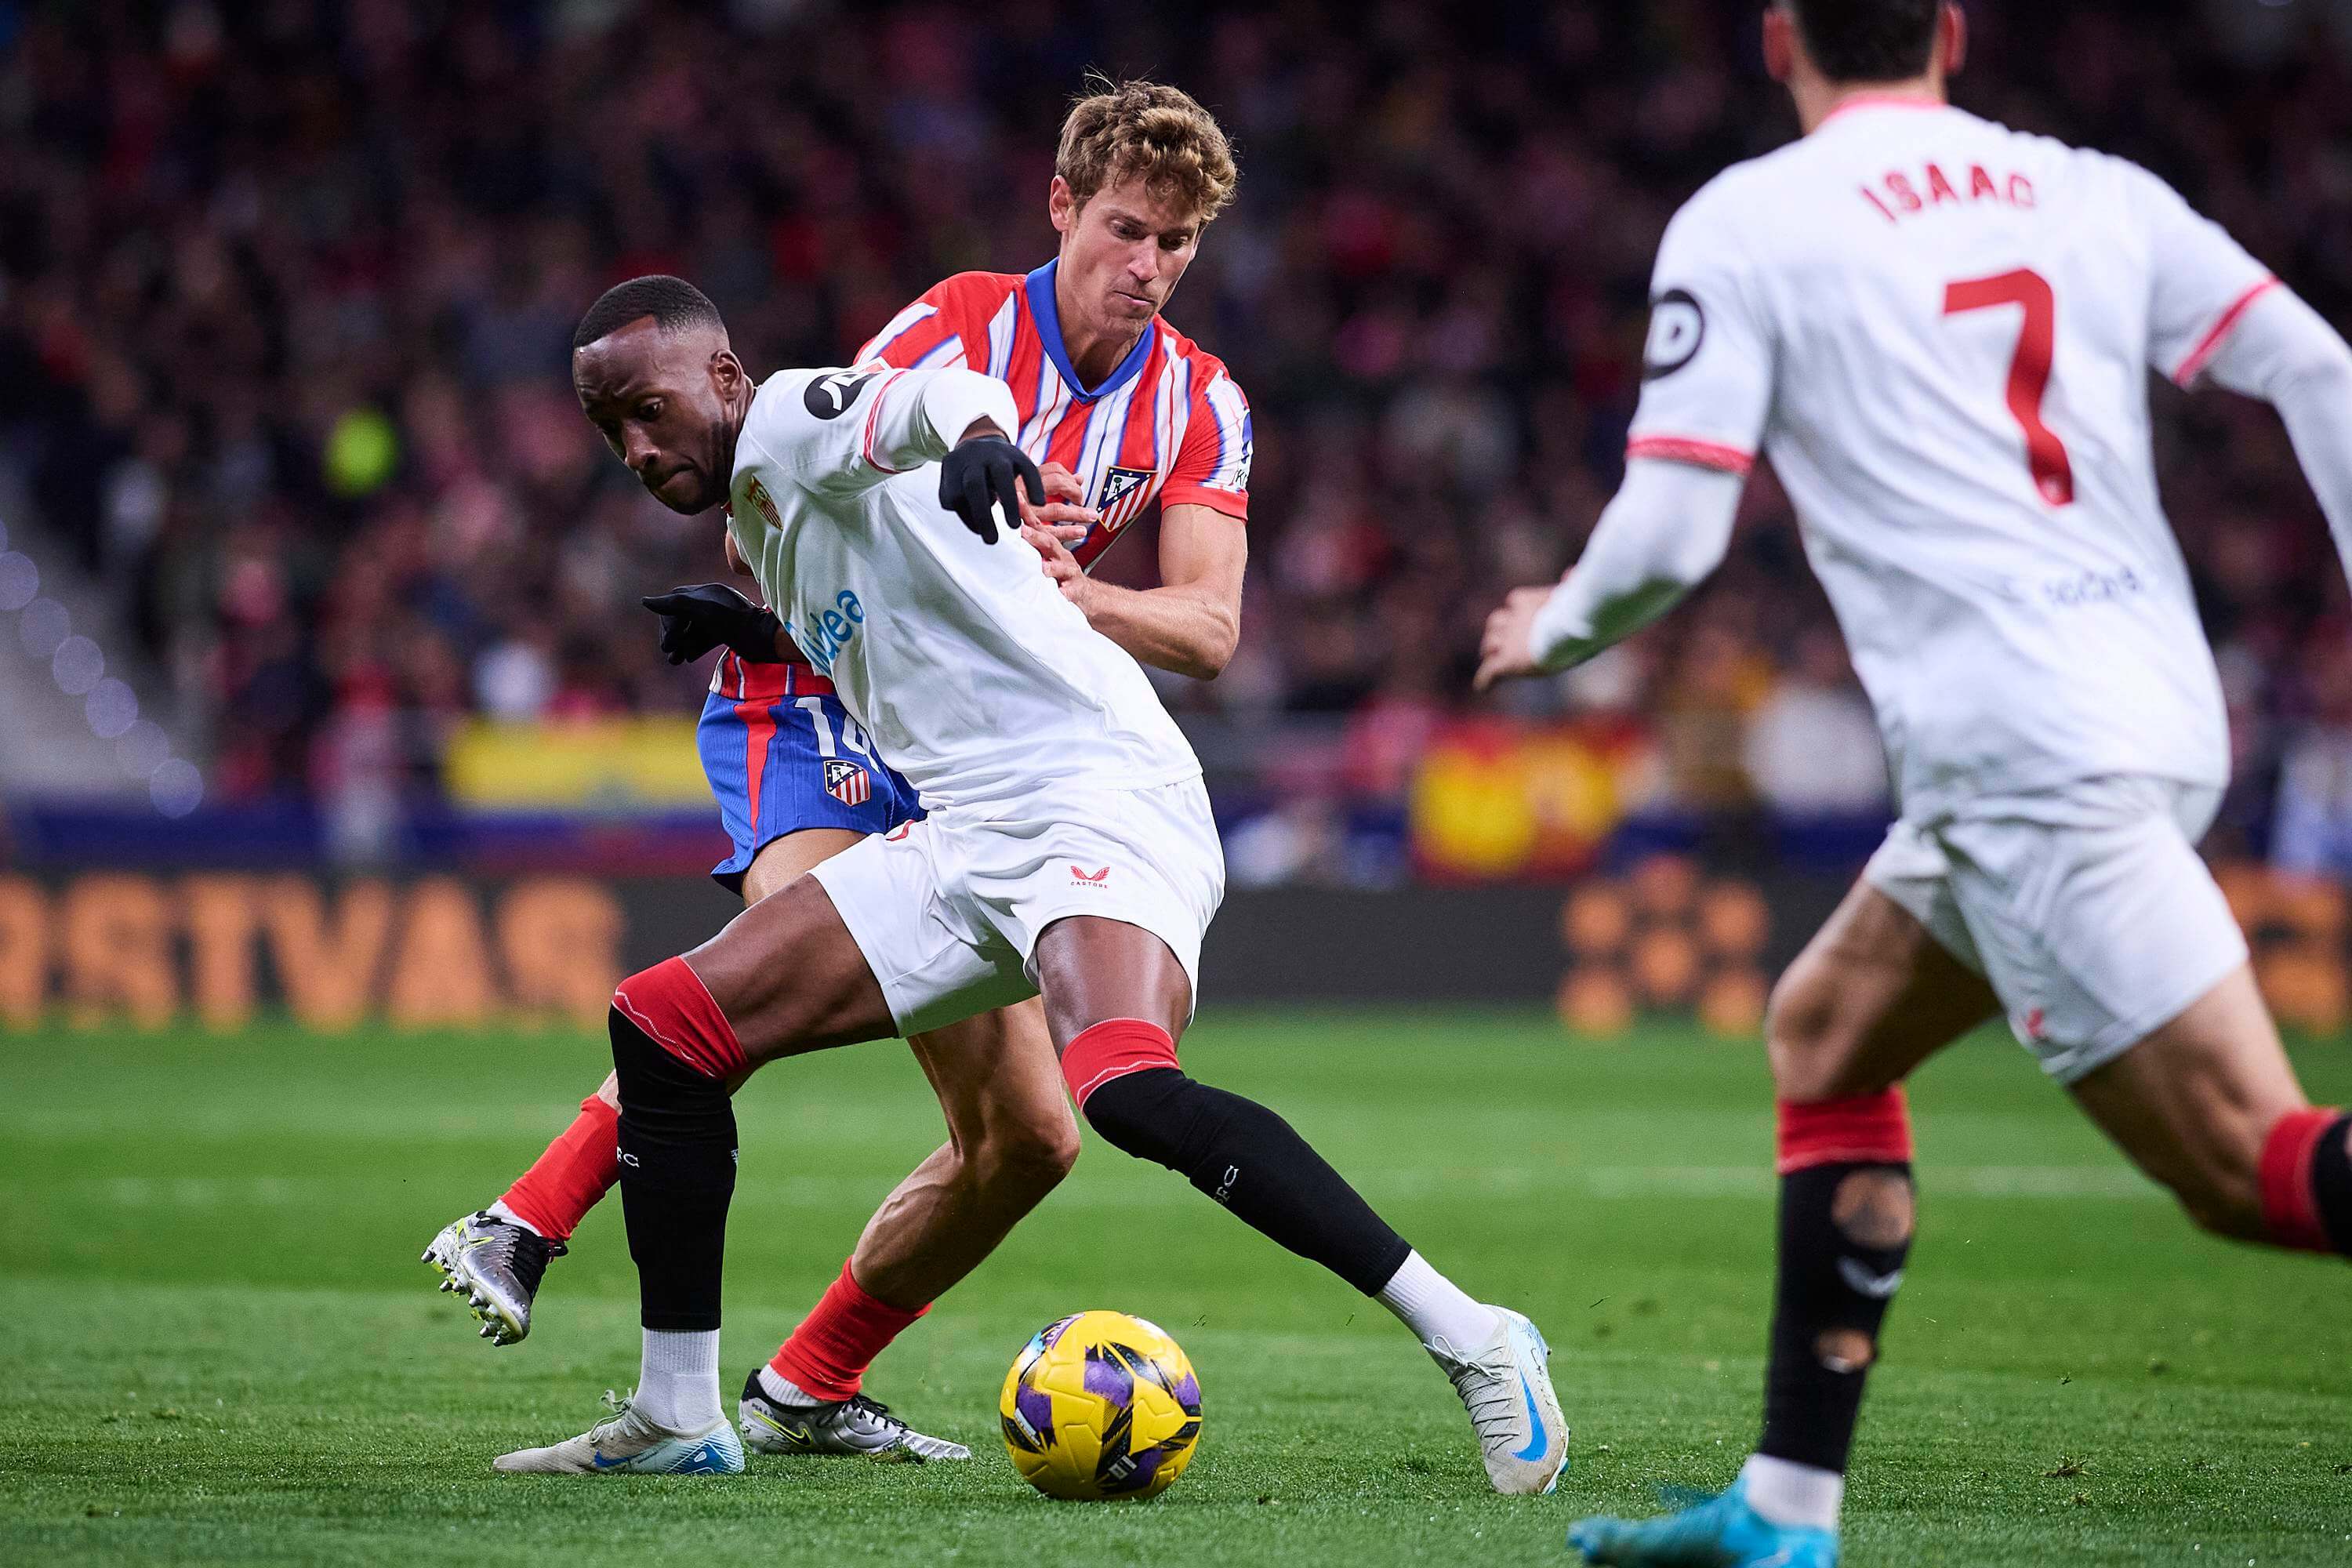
x=2331, y=1183
x=1251, y=1161
x=1844, y=1231
x=678, y=1174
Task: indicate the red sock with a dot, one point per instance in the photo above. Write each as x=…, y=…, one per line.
x=828, y=1355
x=1113, y=1048
x=578, y=1169
x=2296, y=1169
x=672, y=1007
x=1869, y=1129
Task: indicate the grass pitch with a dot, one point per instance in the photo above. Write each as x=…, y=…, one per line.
x=220, y=1346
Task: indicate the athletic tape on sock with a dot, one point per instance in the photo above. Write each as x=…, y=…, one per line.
x=1869, y=1129
x=1113, y=1048
x=675, y=1009
x=2290, y=1197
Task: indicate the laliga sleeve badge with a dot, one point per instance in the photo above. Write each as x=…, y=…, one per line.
x=829, y=396
x=1677, y=328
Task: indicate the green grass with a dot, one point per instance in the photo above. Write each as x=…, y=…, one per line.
x=219, y=1346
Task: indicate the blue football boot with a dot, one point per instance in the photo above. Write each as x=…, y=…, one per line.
x=1719, y=1531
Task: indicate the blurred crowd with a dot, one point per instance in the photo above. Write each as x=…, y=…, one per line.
x=285, y=291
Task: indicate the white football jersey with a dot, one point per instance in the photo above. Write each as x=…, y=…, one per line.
x=975, y=677
x=1939, y=330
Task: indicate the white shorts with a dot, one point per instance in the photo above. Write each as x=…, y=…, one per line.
x=2086, y=908
x=948, y=910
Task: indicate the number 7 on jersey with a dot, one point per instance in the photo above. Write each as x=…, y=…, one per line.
x=2029, y=371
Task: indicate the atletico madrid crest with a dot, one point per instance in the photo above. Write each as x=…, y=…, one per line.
x=848, y=783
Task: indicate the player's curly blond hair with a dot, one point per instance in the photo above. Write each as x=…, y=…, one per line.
x=1145, y=128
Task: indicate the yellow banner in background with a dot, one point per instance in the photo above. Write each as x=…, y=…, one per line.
x=607, y=765
x=1495, y=799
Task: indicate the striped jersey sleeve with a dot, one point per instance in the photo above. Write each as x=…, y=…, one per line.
x=1212, y=460
x=965, y=321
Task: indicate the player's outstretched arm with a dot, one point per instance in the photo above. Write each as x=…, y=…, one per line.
x=1667, y=528
x=1191, y=623
x=697, y=619
x=2281, y=352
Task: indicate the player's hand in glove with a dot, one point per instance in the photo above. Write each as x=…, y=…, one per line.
x=980, y=475
x=711, y=614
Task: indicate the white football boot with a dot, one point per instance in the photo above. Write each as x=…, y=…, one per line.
x=626, y=1442
x=1505, y=1384
x=857, y=1425
x=497, y=1266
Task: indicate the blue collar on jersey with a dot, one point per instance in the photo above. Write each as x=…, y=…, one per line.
x=1042, y=308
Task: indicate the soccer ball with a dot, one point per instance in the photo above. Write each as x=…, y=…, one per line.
x=1100, y=1404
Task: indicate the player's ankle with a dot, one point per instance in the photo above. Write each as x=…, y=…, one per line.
x=499, y=1210
x=677, y=1380
x=782, y=1390
x=1437, y=1311
x=1795, y=1496
x=2306, y=1182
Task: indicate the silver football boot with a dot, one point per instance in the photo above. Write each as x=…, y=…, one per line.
x=857, y=1425
x=497, y=1266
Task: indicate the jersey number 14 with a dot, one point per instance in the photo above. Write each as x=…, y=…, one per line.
x=2029, y=371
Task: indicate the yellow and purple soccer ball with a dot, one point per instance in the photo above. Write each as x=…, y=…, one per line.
x=1100, y=1404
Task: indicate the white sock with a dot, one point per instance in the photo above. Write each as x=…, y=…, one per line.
x=1788, y=1493
x=498, y=1210
x=677, y=1382
x=784, y=1390
x=1435, y=1308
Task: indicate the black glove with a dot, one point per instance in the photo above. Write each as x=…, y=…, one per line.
x=983, y=472
x=711, y=614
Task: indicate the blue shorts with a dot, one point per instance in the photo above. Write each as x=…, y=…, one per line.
x=783, y=754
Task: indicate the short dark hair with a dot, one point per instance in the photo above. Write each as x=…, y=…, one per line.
x=673, y=303
x=1869, y=40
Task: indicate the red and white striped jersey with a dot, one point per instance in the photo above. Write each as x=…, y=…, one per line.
x=1168, y=425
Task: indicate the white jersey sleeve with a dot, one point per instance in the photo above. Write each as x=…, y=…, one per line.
x=1707, y=370
x=962, y=661
x=840, y=431
x=2201, y=282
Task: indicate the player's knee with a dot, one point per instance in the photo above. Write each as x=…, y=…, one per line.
x=1875, y=1207
x=1032, y=1157
x=1801, y=1036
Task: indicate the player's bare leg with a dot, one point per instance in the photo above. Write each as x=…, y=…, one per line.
x=1011, y=1140
x=783, y=978
x=1012, y=1137
x=1117, y=1000
x=1871, y=997
x=497, y=1256
x=2209, y=1106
